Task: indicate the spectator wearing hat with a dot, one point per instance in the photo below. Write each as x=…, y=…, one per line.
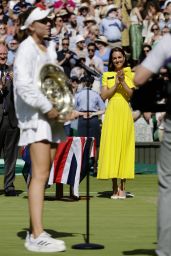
x=96, y=64
x=88, y=23
x=80, y=46
x=68, y=5
x=84, y=11
x=63, y=14
x=103, y=51
x=100, y=9
x=65, y=57
x=111, y=26
x=167, y=5
x=166, y=21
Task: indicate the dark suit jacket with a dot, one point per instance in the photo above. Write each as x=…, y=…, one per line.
x=8, y=94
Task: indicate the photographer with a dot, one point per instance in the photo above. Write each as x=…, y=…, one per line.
x=64, y=57
x=94, y=63
x=161, y=56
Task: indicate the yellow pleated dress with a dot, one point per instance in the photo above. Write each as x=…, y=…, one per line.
x=117, y=144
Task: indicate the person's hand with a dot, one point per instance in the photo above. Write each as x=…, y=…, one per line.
x=147, y=116
x=72, y=115
x=120, y=76
x=2, y=83
x=52, y=114
x=87, y=115
x=67, y=55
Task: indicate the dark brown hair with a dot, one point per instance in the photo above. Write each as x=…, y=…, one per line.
x=111, y=66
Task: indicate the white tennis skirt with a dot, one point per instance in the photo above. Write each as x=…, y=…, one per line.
x=53, y=132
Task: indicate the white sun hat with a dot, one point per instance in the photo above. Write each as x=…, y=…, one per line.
x=36, y=14
x=166, y=4
x=79, y=38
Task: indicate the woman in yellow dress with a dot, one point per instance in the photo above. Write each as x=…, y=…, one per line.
x=117, y=145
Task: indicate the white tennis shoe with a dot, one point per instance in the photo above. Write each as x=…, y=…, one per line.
x=44, y=243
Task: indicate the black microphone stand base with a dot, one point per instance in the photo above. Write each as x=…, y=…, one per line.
x=88, y=246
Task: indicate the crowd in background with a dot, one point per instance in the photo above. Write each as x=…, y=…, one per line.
x=84, y=32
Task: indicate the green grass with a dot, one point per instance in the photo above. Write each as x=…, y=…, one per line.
x=124, y=227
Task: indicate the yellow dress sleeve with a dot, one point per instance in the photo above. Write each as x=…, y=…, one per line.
x=108, y=79
x=129, y=77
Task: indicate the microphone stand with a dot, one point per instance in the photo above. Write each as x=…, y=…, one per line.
x=87, y=244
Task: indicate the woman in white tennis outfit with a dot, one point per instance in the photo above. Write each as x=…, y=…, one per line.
x=35, y=115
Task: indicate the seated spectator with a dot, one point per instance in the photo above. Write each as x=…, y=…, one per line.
x=166, y=21
x=111, y=26
x=94, y=33
x=100, y=9
x=88, y=23
x=12, y=49
x=80, y=46
x=155, y=35
x=3, y=33
x=145, y=50
x=78, y=71
x=72, y=25
x=103, y=51
x=165, y=30
x=60, y=28
x=153, y=15
x=84, y=11
x=13, y=25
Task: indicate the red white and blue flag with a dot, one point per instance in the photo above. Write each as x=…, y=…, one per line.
x=71, y=162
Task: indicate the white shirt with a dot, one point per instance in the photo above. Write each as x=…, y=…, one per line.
x=30, y=103
x=159, y=56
